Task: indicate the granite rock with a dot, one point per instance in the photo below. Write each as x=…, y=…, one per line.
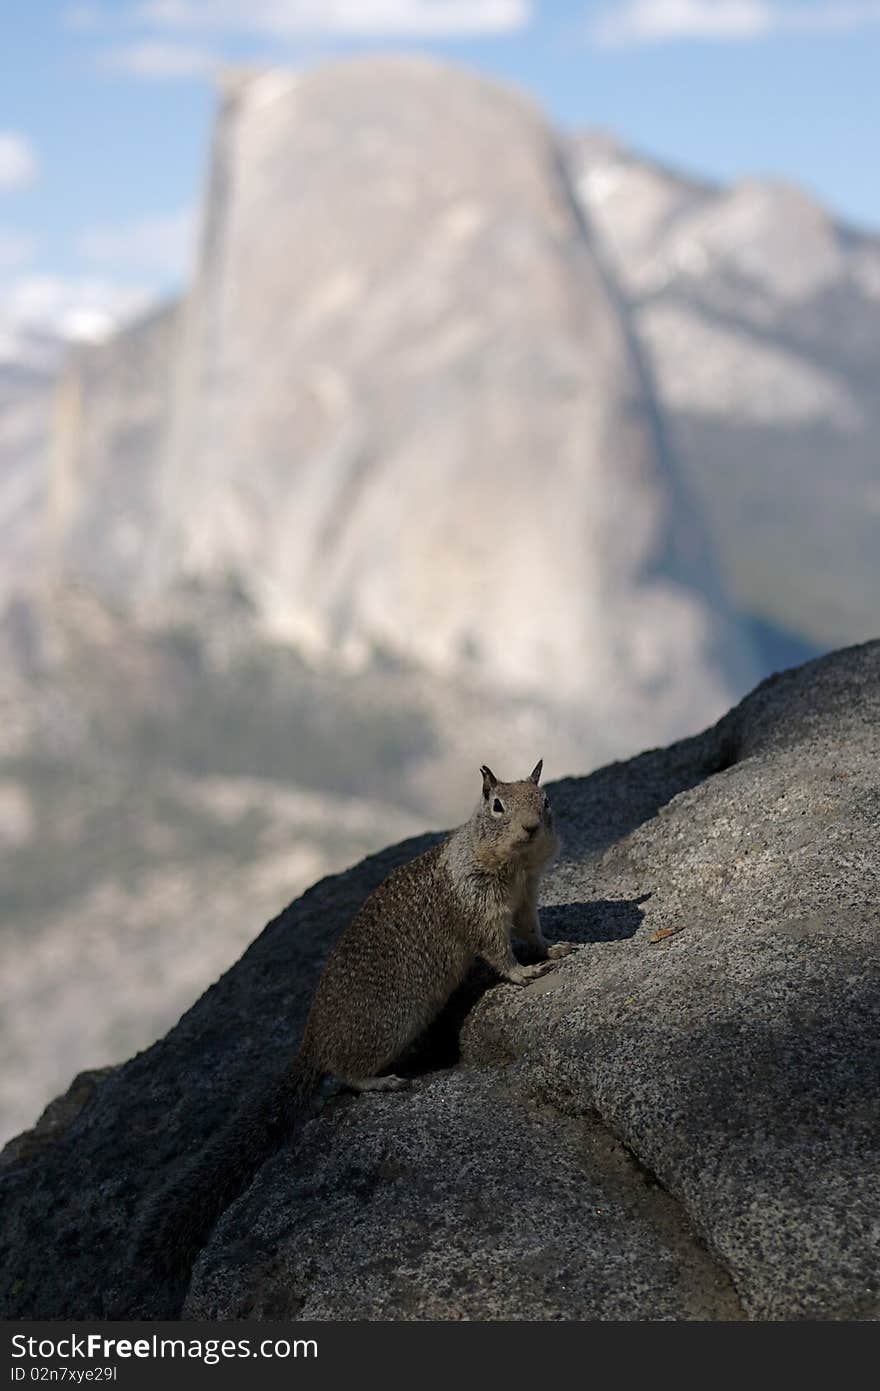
x=680, y=1121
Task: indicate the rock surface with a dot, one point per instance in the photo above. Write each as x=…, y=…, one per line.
x=759, y=318
x=25, y=429
x=682, y=1128
x=111, y=417
x=409, y=415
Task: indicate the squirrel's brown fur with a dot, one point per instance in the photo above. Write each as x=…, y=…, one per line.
x=389, y=974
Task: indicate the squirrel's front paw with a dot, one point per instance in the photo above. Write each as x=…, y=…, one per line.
x=522, y=975
x=560, y=949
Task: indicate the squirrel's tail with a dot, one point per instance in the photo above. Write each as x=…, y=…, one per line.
x=179, y=1219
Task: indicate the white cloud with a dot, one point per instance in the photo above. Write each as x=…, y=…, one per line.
x=153, y=244
x=660, y=21
x=79, y=308
x=342, y=18
x=160, y=61
x=18, y=160
x=182, y=39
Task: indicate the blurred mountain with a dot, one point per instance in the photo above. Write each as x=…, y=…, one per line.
x=399, y=487
x=112, y=416
x=759, y=316
x=399, y=412
x=26, y=407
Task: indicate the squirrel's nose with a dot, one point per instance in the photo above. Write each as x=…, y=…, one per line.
x=531, y=827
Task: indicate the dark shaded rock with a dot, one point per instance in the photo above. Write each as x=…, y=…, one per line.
x=56, y=1118
x=737, y=1062
x=476, y=1200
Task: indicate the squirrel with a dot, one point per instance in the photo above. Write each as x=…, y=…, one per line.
x=387, y=977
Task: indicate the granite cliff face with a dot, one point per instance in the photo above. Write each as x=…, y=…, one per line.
x=760, y=318
x=681, y=1121
x=409, y=417
x=26, y=410
x=112, y=415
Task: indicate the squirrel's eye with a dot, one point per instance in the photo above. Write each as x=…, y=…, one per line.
x=546, y=800
x=496, y=805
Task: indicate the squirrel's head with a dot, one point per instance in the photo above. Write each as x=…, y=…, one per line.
x=514, y=820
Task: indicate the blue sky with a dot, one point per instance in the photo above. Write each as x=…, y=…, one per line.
x=105, y=110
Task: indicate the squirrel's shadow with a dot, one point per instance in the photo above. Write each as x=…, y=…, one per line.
x=602, y=920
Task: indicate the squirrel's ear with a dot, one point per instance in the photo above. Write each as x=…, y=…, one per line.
x=489, y=780
x=535, y=774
